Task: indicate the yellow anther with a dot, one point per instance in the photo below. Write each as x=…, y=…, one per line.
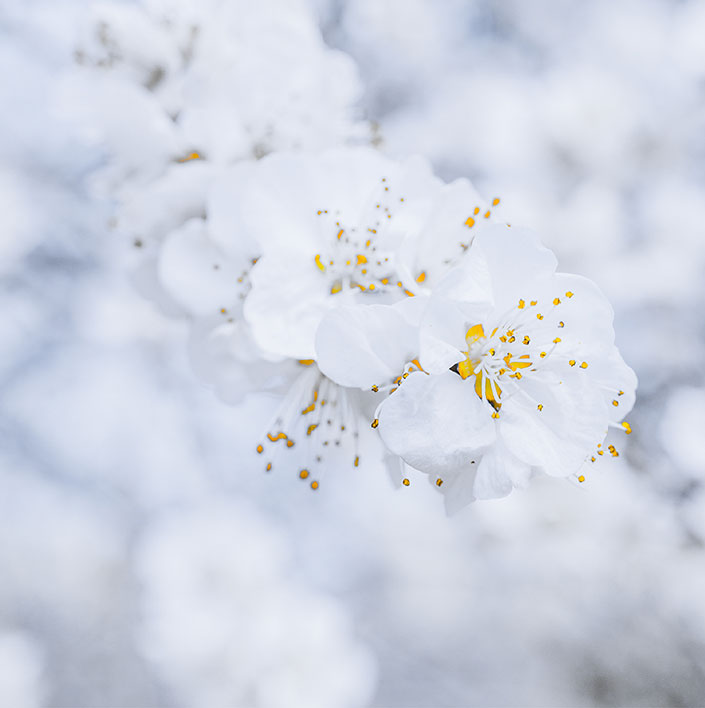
x=361, y=259
x=542, y=354
x=512, y=339
x=368, y=242
x=311, y=428
x=408, y=293
x=521, y=304
x=476, y=211
x=539, y=316
x=593, y=458
x=340, y=234
x=303, y=474
x=385, y=281
x=306, y=362
x=584, y=365
x=561, y=324
x=439, y=482
x=581, y=478
x=572, y=362
x=627, y=427
x=405, y=482
x=495, y=201
x=375, y=388
x=495, y=415
x=375, y=422
x=190, y=156
x=399, y=284
x=319, y=262
x=487, y=214
x=533, y=302
x=421, y=277
x=492, y=352
x=556, y=301
x=314, y=485
x=308, y=409
x=269, y=467
x=470, y=222
x=260, y=449
x=615, y=403
x=557, y=340
x=371, y=286
x=620, y=393
x=222, y=310
x=278, y=436
x=290, y=443
x=357, y=461
x=569, y=294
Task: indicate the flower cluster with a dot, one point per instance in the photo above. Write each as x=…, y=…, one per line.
x=378, y=300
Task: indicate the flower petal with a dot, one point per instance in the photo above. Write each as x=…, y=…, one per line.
x=363, y=345
x=435, y=423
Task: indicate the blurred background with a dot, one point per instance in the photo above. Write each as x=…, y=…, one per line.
x=145, y=558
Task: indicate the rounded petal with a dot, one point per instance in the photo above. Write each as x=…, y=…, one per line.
x=567, y=428
x=195, y=273
x=499, y=472
x=363, y=345
x=436, y=423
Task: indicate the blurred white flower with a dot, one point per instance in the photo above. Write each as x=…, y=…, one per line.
x=228, y=622
x=520, y=373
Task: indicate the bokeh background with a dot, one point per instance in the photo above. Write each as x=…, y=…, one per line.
x=145, y=559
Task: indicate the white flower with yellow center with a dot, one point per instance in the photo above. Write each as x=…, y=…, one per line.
x=519, y=375
x=334, y=230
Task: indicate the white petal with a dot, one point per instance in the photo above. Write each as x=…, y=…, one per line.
x=362, y=345
x=559, y=437
x=196, y=274
x=499, y=472
x=436, y=423
x=286, y=303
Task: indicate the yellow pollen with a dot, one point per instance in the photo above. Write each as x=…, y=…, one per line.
x=540, y=406
x=477, y=211
x=533, y=302
x=278, y=436
x=408, y=293
x=348, y=262
x=357, y=461
x=368, y=242
x=495, y=415
x=439, y=482
x=495, y=201
x=539, y=316
x=584, y=365
x=371, y=286
x=569, y=294
x=375, y=388
x=615, y=403
x=421, y=277
x=405, y=482
x=561, y=324
x=269, y=467
x=620, y=393
x=627, y=427
x=311, y=428
x=385, y=281
x=542, y=354
x=306, y=362
x=260, y=449
x=521, y=304
x=314, y=484
x=340, y=234
x=399, y=284
x=290, y=443
x=572, y=362
x=556, y=301
x=470, y=222
x=319, y=263
x=375, y=422
x=581, y=478
x=593, y=458
x=557, y=340
x=487, y=214
x=303, y=474
x=190, y=156
x=361, y=259
x=308, y=409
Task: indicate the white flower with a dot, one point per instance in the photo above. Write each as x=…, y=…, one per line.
x=520, y=372
x=344, y=227
x=328, y=231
